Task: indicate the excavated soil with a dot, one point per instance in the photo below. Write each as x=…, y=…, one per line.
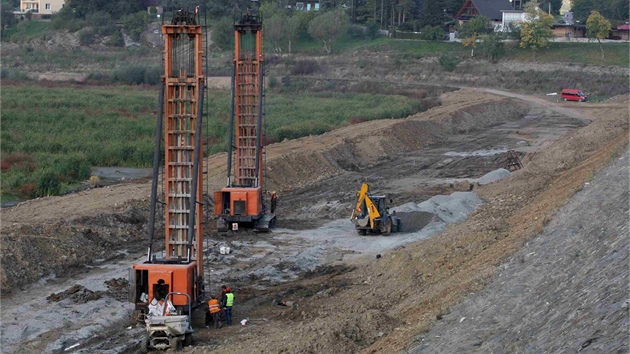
x=346, y=293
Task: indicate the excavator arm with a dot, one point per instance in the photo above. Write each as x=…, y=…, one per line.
x=364, y=208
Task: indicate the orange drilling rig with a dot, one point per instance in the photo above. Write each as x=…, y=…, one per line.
x=241, y=202
x=178, y=273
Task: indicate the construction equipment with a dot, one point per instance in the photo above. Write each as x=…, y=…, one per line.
x=512, y=161
x=166, y=330
x=241, y=202
x=371, y=214
x=179, y=271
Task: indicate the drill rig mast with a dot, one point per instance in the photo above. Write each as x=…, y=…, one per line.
x=180, y=111
x=241, y=201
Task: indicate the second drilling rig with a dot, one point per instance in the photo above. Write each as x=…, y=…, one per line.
x=241, y=201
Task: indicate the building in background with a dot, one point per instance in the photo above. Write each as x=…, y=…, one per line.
x=41, y=7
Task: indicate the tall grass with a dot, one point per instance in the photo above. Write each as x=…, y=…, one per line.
x=65, y=129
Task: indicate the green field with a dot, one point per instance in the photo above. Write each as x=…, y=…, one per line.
x=52, y=135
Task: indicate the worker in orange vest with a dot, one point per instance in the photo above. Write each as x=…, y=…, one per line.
x=214, y=311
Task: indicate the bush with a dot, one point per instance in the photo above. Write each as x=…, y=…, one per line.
x=357, y=32
x=86, y=37
x=116, y=39
x=47, y=183
x=135, y=23
x=97, y=77
x=305, y=67
x=448, y=62
x=99, y=19
x=64, y=19
x=12, y=74
x=272, y=81
x=74, y=166
x=372, y=29
x=429, y=33
x=137, y=74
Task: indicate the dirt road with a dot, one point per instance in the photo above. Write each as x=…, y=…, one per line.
x=353, y=302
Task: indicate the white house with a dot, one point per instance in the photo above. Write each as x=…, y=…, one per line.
x=41, y=7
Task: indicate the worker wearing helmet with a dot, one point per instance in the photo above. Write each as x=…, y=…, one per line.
x=227, y=301
x=274, y=201
x=214, y=312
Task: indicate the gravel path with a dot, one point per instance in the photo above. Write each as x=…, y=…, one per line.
x=565, y=292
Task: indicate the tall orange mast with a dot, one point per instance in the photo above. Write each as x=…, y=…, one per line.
x=180, y=115
x=241, y=201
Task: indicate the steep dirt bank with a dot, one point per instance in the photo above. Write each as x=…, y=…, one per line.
x=298, y=163
x=565, y=291
x=61, y=240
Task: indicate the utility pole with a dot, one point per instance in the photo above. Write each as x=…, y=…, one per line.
x=382, y=1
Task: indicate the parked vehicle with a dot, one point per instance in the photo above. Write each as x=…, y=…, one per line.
x=573, y=95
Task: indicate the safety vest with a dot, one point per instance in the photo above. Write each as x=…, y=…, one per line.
x=214, y=306
x=230, y=299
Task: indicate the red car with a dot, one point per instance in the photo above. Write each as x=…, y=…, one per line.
x=573, y=95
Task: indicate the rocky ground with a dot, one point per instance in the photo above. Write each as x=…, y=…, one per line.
x=347, y=293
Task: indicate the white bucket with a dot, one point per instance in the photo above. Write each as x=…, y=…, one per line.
x=224, y=250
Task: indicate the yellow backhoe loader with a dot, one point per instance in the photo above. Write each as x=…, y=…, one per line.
x=371, y=214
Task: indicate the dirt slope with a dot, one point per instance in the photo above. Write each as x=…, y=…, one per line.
x=565, y=291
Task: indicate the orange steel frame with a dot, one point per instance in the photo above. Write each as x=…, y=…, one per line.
x=247, y=115
x=183, y=81
x=182, y=95
x=247, y=100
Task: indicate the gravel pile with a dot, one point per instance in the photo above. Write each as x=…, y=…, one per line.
x=494, y=176
x=447, y=208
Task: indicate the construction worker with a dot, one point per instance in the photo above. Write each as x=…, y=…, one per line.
x=214, y=312
x=274, y=201
x=228, y=302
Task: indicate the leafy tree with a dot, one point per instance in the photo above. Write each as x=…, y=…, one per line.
x=135, y=23
x=453, y=6
x=8, y=19
x=615, y=10
x=81, y=9
x=555, y=6
x=536, y=31
x=291, y=29
x=327, y=27
x=597, y=26
x=492, y=46
x=433, y=13
x=470, y=32
x=223, y=33
x=273, y=28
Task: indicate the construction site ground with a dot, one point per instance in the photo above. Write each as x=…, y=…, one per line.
x=65, y=260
